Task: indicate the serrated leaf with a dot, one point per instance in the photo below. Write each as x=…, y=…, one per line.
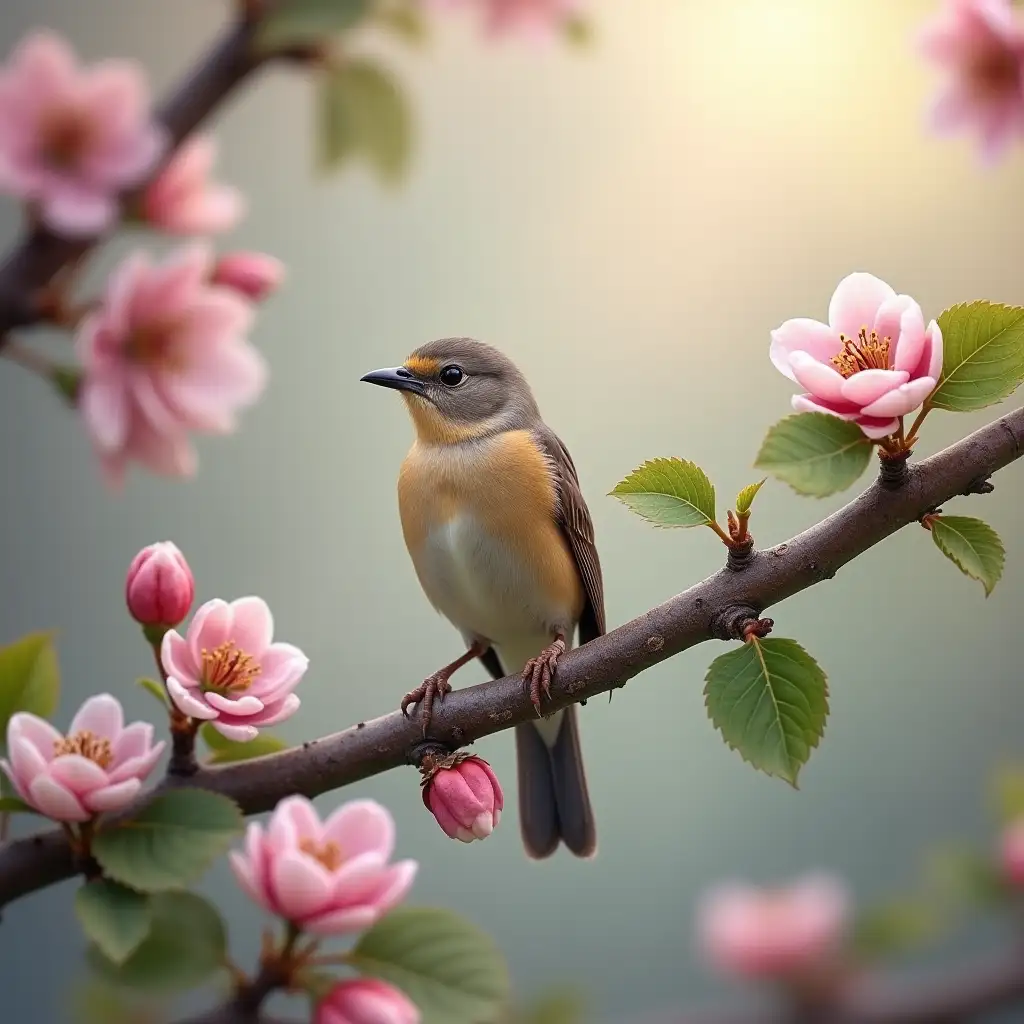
x=291, y=23
x=156, y=690
x=769, y=699
x=363, y=113
x=114, y=917
x=1008, y=793
x=895, y=927
x=972, y=546
x=29, y=679
x=450, y=969
x=186, y=944
x=15, y=805
x=965, y=878
x=226, y=751
x=746, y=497
x=669, y=492
x=170, y=842
x=982, y=355
x=815, y=453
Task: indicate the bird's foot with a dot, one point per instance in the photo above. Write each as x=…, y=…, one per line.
x=539, y=672
x=433, y=687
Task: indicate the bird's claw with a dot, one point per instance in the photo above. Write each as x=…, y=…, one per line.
x=435, y=686
x=539, y=672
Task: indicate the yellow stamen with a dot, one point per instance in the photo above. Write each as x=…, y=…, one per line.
x=328, y=854
x=88, y=745
x=228, y=668
x=865, y=352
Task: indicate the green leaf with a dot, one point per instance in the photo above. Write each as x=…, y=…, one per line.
x=405, y=21
x=115, y=917
x=29, y=679
x=982, y=355
x=578, y=31
x=186, y=944
x=972, y=546
x=895, y=927
x=815, y=453
x=154, y=689
x=555, y=1008
x=450, y=969
x=1008, y=793
x=669, y=492
x=98, y=1002
x=308, y=22
x=769, y=699
x=363, y=113
x=226, y=751
x=170, y=842
x=15, y=805
x=967, y=879
x=746, y=497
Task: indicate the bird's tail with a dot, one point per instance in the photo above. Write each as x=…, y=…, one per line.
x=553, y=800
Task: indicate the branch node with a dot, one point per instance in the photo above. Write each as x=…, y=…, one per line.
x=740, y=554
x=428, y=755
x=759, y=628
x=729, y=623
x=183, y=761
x=892, y=469
x=979, y=485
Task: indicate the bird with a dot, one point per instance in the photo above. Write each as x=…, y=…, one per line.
x=502, y=543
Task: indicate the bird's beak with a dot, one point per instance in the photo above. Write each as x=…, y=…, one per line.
x=397, y=377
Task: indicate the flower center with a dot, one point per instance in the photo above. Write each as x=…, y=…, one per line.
x=993, y=71
x=328, y=854
x=865, y=352
x=154, y=345
x=228, y=668
x=88, y=745
x=65, y=134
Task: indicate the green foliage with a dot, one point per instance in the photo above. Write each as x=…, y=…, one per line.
x=449, y=968
x=98, y=1002
x=669, y=492
x=553, y=1008
x=29, y=679
x=224, y=751
x=578, y=31
x=965, y=879
x=186, y=945
x=15, y=805
x=1008, y=793
x=972, y=546
x=114, y=917
x=746, y=497
x=291, y=23
x=404, y=20
x=896, y=927
x=982, y=355
x=815, y=453
x=170, y=842
x=769, y=699
x=155, y=690
x=363, y=113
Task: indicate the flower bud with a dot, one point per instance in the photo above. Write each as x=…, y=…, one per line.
x=1012, y=853
x=252, y=274
x=365, y=1001
x=159, y=587
x=464, y=795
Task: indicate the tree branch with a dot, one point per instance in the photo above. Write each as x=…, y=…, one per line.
x=719, y=607
x=40, y=255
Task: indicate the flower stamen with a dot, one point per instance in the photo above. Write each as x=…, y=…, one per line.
x=328, y=854
x=865, y=352
x=227, y=667
x=65, y=135
x=86, y=744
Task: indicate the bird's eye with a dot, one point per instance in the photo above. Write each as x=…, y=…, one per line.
x=451, y=376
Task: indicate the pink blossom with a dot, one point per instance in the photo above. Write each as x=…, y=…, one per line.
x=182, y=200
x=764, y=933
x=979, y=44
x=329, y=877
x=165, y=353
x=536, y=18
x=465, y=797
x=365, y=1001
x=227, y=671
x=253, y=274
x=71, y=138
x=159, y=587
x=1012, y=853
x=873, y=362
x=98, y=766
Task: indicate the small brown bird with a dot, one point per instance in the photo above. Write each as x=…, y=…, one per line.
x=503, y=546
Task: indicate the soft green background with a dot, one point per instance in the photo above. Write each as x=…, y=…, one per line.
x=628, y=224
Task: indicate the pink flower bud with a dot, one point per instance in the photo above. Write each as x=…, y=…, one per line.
x=365, y=1001
x=159, y=587
x=253, y=274
x=1012, y=853
x=464, y=794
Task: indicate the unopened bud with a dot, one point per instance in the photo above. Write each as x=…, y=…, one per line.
x=253, y=274
x=464, y=795
x=159, y=587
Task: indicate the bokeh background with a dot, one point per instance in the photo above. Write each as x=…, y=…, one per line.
x=628, y=223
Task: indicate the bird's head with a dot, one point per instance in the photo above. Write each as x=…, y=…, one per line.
x=457, y=389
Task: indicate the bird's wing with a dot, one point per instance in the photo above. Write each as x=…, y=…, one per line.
x=578, y=527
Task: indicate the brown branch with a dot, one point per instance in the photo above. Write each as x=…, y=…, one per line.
x=41, y=254
x=719, y=607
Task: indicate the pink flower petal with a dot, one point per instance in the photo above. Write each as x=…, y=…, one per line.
x=242, y=869
x=818, y=340
x=301, y=884
x=909, y=342
x=187, y=701
x=8, y=769
x=904, y=399
x=52, y=799
x=211, y=627
x=283, y=666
x=176, y=658
x=398, y=881
x=27, y=761
x=808, y=403
x=101, y=715
x=135, y=741
x=77, y=212
x=241, y=706
x=869, y=385
x=356, y=879
x=341, y=922
x=32, y=729
x=876, y=428
x=237, y=733
x=931, y=357
x=114, y=797
x=270, y=715
x=77, y=773
x=138, y=767
x=253, y=625
x=103, y=403
x=294, y=818
x=856, y=302
x=823, y=381
x=362, y=826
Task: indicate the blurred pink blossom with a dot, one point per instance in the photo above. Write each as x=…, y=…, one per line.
x=227, y=670
x=365, y=1001
x=182, y=200
x=159, y=588
x=979, y=44
x=1012, y=853
x=165, y=353
x=873, y=362
x=465, y=797
x=536, y=18
x=71, y=138
x=764, y=933
x=328, y=878
x=98, y=766
x=252, y=274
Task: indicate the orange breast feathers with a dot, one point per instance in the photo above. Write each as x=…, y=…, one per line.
x=505, y=484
